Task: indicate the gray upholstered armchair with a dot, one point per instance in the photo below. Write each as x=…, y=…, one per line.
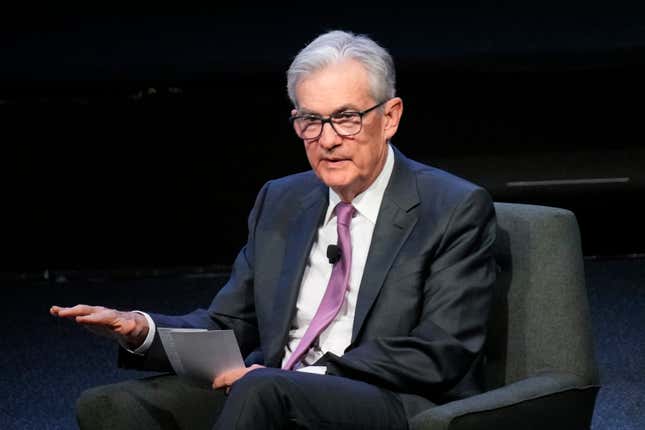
x=541, y=371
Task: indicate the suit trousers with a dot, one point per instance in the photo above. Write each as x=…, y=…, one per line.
x=264, y=399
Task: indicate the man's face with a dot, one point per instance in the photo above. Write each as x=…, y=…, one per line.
x=349, y=164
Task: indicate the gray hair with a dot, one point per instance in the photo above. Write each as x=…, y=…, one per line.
x=335, y=46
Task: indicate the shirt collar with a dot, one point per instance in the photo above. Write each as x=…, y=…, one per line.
x=367, y=203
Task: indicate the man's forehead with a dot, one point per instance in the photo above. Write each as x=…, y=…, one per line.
x=339, y=86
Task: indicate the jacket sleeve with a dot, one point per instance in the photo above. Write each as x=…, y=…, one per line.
x=232, y=307
x=447, y=341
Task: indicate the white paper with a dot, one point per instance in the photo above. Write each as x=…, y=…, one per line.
x=200, y=354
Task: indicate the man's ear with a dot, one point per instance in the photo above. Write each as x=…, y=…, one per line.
x=393, y=109
x=294, y=112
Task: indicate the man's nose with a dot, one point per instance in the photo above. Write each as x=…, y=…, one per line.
x=328, y=136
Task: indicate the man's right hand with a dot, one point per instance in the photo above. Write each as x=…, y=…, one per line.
x=129, y=328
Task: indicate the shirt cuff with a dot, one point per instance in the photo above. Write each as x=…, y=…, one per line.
x=145, y=346
x=319, y=370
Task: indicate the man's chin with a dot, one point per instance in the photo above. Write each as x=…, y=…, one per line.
x=334, y=180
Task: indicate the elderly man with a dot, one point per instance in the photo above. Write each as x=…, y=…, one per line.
x=362, y=294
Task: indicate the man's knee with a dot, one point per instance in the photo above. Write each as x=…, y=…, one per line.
x=265, y=383
x=269, y=389
x=103, y=407
x=258, y=400
x=126, y=405
x=160, y=402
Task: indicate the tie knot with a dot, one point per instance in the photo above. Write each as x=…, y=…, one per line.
x=344, y=213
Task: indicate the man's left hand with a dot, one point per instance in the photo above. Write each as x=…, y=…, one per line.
x=227, y=379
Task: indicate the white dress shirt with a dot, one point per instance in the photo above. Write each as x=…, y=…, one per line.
x=338, y=335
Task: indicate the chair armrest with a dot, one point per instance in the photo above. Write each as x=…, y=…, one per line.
x=549, y=400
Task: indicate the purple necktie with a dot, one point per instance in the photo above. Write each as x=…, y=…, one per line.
x=335, y=293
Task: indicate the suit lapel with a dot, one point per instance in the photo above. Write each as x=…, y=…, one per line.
x=396, y=220
x=302, y=232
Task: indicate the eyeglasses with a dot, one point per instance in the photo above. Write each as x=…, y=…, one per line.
x=346, y=123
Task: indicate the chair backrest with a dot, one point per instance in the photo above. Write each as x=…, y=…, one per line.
x=540, y=320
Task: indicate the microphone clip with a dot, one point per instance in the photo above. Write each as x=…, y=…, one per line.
x=333, y=254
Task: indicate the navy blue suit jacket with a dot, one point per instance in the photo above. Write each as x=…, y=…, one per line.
x=425, y=295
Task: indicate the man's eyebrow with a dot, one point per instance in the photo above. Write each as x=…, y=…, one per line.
x=343, y=108
x=305, y=111
x=346, y=107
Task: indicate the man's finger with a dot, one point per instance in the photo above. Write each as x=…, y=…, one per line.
x=219, y=381
x=102, y=317
x=75, y=311
x=227, y=379
x=70, y=313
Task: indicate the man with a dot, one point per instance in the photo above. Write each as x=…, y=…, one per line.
x=396, y=322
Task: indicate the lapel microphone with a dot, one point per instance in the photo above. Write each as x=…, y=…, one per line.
x=333, y=253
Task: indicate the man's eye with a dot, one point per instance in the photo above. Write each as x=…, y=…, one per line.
x=309, y=119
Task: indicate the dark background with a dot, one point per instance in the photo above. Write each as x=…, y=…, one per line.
x=134, y=141
x=132, y=147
